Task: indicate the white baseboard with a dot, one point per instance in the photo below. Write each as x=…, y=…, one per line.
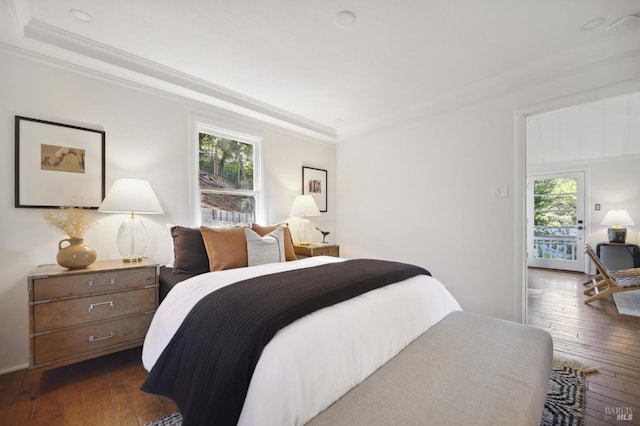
x=14, y=368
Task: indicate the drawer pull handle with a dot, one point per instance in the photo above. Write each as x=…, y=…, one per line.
x=92, y=283
x=110, y=303
x=111, y=335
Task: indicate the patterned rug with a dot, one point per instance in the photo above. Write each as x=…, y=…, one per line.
x=565, y=402
x=174, y=419
x=564, y=405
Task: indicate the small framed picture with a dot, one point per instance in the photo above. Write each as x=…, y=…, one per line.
x=56, y=163
x=314, y=183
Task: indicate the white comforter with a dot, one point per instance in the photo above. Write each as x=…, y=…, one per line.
x=311, y=363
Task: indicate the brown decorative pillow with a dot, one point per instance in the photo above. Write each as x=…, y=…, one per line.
x=226, y=248
x=190, y=253
x=289, y=252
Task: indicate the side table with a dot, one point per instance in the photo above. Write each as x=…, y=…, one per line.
x=75, y=315
x=317, y=249
x=617, y=256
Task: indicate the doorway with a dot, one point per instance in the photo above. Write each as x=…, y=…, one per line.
x=555, y=221
x=601, y=136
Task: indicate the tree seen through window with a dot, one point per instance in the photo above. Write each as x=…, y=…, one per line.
x=226, y=179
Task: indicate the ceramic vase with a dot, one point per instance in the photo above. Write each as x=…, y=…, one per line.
x=75, y=255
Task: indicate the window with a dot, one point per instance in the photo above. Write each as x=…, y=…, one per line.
x=228, y=177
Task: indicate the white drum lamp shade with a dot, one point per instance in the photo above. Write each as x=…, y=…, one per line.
x=132, y=196
x=303, y=207
x=617, y=220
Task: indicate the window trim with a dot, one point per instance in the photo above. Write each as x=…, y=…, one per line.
x=198, y=126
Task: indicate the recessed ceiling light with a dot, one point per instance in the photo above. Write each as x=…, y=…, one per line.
x=338, y=121
x=593, y=24
x=81, y=15
x=345, y=19
x=627, y=23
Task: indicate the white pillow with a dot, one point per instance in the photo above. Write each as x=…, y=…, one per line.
x=267, y=249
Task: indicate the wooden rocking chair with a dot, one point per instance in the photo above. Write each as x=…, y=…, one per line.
x=607, y=282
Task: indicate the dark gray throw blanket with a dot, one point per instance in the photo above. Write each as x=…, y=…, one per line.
x=207, y=367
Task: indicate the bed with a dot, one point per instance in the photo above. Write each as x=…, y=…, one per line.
x=403, y=352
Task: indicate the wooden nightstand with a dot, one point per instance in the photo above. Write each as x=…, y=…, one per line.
x=319, y=249
x=80, y=314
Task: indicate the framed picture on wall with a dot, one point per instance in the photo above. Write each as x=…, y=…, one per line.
x=57, y=163
x=314, y=183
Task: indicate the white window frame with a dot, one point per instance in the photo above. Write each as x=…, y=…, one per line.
x=198, y=126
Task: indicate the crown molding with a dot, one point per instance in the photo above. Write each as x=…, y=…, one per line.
x=532, y=75
x=171, y=79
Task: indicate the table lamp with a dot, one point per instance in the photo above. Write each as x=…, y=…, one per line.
x=131, y=196
x=303, y=207
x=617, y=220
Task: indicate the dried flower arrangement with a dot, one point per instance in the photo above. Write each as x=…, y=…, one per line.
x=73, y=220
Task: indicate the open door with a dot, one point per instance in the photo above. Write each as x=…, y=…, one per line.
x=555, y=221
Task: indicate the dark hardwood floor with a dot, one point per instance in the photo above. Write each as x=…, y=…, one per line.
x=106, y=391
x=594, y=334
x=102, y=391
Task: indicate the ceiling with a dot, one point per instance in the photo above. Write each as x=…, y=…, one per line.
x=287, y=62
x=606, y=128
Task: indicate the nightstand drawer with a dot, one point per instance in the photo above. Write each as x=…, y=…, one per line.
x=326, y=251
x=53, y=346
x=317, y=250
x=65, y=313
x=99, y=282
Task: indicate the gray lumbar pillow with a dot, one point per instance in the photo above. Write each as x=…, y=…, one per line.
x=267, y=249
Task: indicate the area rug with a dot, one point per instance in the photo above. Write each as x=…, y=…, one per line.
x=564, y=405
x=174, y=419
x=628, y=302
x=566, y=394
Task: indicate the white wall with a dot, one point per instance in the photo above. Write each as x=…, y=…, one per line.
x=422, y=192
x=147, y=136
x=615, y=185
x=424, y=195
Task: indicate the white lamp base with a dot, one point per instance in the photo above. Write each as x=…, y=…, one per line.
x=304, y=231
x=301, y=230
x=132, y=239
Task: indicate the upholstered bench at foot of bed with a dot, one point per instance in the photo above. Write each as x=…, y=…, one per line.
x=467, y=369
